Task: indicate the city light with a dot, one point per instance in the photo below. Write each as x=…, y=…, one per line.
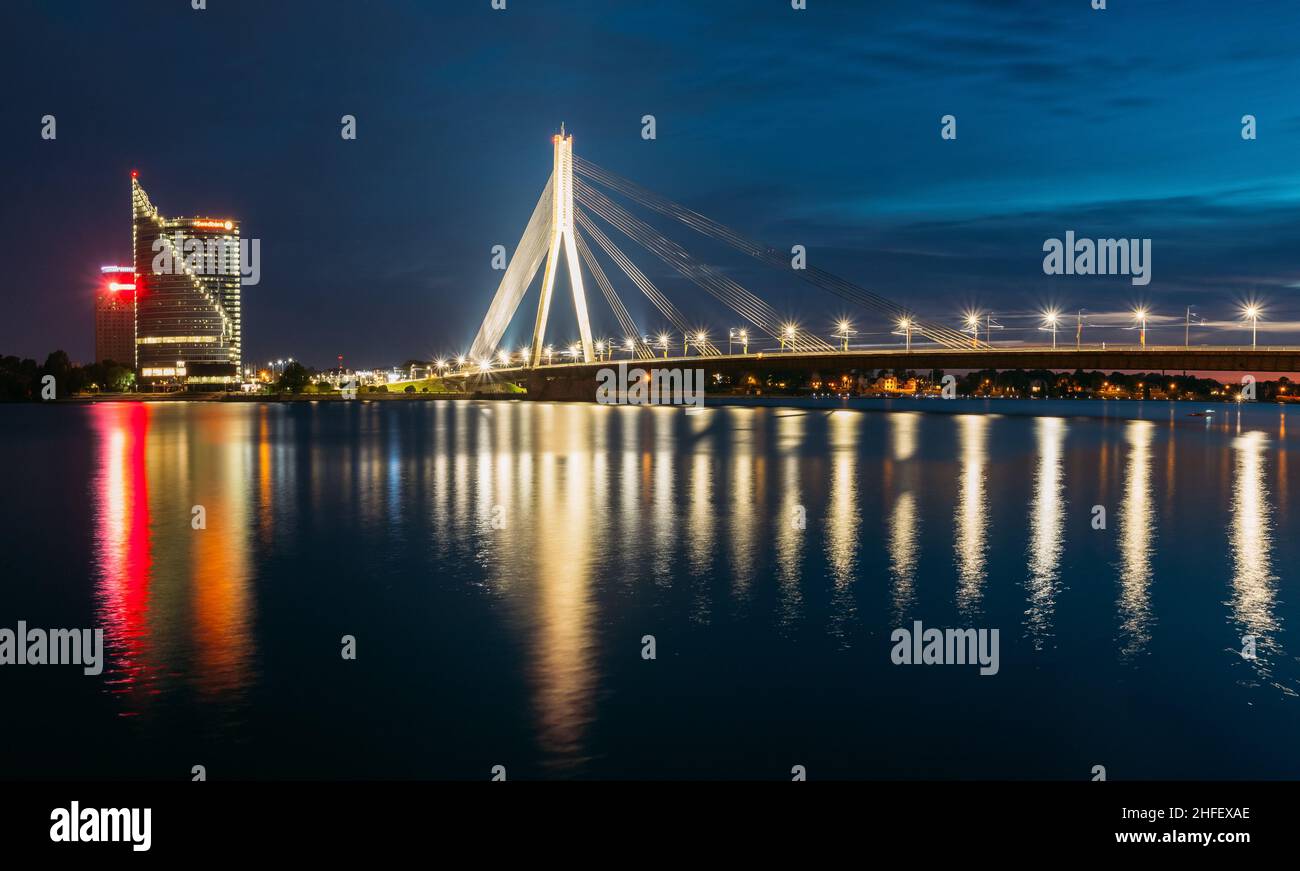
x=1251, y=312
x=1050, y=319
x=1140, y=314
x=700, y=338
x=845, y=330
x=973, y=327
x=663, y=343
x=788, y=334
x=905, y=325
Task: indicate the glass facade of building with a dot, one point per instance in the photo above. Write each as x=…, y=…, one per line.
x=187, y=275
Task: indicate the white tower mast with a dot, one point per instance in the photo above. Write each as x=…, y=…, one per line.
x=562, y=233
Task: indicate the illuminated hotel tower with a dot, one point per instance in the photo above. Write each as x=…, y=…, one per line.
x=187, y=276
x=115, y=316
x=549, y=229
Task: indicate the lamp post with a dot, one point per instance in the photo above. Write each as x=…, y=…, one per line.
x=1141, y=315
x=846, y=330
x=663, y=343
x=788, y=335
x=1050, y=319
x=700, y=338
x=905, y=324
x=630, y=344
x=1251, y=311
x=973, y=327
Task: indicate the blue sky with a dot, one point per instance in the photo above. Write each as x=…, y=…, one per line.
x=817, y=127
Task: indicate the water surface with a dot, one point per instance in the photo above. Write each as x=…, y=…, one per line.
x=499, y=565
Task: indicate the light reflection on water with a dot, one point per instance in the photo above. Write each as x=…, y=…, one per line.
x=1137, y=521
x=972, y=511
x=574, y=525
x=1047, y=525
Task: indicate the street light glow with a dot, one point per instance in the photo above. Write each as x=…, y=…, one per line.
x=1251, y=311
x=1051, y=318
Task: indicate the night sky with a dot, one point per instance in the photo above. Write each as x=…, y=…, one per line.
x=817, y=127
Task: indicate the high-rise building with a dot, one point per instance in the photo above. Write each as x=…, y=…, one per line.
x=187, y=273
x=115, y=316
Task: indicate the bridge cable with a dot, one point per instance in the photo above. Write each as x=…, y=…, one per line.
x=769, y=255
x=661, y=302
x=620, y=311
x=532, y=247
x=708, y=278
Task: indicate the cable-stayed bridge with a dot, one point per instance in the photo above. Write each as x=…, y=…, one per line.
x=584, y=205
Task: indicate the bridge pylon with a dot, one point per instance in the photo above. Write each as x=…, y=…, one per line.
x=562, y=234
x=550, y=229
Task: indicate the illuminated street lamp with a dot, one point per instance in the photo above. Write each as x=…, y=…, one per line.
x=1050, y=320
x=460, y=361
x=663, y=343
x=788, y=334
x=846, y=330
x=973, y=327
x=905, y=326
x=1251, y=313
x=700, y=338
x=548, y=351
x=630, y=344
x=441, y=365
x=600, y=350
x=572, y=352
x=738, y=335
x=505, y=357
x=1140, y=314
